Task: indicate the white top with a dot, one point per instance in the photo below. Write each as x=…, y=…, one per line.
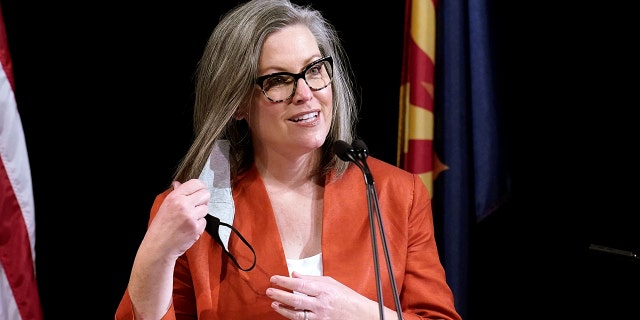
x=309, y=266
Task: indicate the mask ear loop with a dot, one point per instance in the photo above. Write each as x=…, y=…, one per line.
x=213, y=225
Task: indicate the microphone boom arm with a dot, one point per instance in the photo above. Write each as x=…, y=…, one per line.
x=358, y=154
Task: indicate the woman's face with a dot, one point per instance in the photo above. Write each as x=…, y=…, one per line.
x=299, y=124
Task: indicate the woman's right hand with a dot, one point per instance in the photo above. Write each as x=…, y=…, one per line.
x=180, y=219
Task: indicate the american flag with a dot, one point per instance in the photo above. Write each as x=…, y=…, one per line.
x=19, y=298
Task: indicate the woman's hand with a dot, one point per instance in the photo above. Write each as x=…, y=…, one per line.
x=180, y=219
x=321, y=297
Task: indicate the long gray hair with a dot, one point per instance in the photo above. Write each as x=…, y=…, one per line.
x=225, y=81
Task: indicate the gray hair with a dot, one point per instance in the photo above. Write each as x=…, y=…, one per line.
x=225, y=81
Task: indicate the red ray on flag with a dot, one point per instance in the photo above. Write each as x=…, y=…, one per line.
x=416, y=121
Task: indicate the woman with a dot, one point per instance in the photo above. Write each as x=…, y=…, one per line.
x=273, y=86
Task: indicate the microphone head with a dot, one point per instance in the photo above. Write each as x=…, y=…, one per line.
x=343, y=150
x=360, y=148
x=359, y=144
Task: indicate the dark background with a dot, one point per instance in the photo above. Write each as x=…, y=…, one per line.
x=105, y=92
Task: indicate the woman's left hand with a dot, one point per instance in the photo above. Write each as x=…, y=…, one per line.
x=318, y=297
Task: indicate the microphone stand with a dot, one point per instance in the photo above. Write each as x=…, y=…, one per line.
x=359, y=156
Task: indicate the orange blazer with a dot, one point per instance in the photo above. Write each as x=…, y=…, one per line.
x=207, y=285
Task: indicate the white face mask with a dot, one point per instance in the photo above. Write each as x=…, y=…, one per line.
x=216, y=174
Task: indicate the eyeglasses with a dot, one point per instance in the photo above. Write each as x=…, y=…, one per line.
x=281, y=86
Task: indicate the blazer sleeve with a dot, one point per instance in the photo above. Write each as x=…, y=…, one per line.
x=124, y=311
x=425, y=291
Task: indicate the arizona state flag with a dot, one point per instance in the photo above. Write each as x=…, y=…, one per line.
x=450, y=128
x=415, y=128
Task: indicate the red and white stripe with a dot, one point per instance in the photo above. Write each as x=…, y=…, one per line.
x=19, y=299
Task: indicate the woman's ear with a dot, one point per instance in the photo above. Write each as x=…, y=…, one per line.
x=239, y=114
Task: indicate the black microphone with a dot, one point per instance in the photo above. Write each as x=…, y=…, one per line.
x=361, y=149
x=349, y=153
x=357, y=154
x=344, y=151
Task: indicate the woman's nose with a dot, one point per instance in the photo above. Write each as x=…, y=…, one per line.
x=303, y=92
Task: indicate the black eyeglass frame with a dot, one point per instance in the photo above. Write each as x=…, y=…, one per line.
x=296, y=77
